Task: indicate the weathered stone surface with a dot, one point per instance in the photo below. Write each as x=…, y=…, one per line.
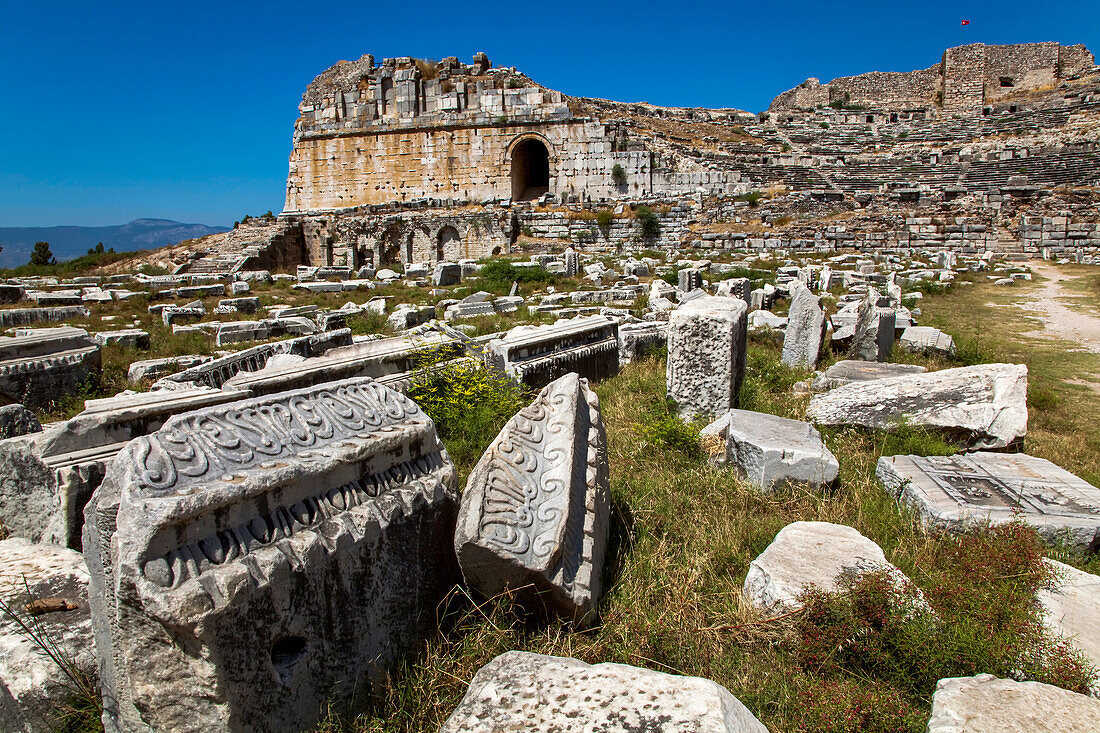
x=17, y=420
x=706, y=355
x=848, y=371
x=805, y=554
x=537, y=355
x=534, y=516
x=249, y=560
x=1073, y=610
x=984, y=406
x=144, y=369
x=636, y=339
x=133, y=337
x=42, y=366
x=770, y=451
x=873, y=339
x=968, y=490
x=986, y=704
x=51, y=582
x=520, y=691
x=805, y=332
x=927, y=340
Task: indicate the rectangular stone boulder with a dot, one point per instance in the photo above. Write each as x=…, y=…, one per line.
x=964, y=491
x=982, y=406
x=805, y=334
x=706, y=355
x=250, y=561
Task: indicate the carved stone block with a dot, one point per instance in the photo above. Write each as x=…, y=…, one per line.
x=534, y=517
x=251, y=560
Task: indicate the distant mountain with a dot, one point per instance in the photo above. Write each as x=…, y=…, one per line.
x=69, y=242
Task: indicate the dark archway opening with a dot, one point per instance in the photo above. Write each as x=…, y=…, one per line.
x=530, y=170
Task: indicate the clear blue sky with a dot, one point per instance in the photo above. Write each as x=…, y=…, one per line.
x=185, y=110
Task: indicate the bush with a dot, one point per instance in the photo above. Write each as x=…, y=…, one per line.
x=468, y=402
x=977, y=614
x=42, y=255
x=671, y=432
x=618, y=175
x=649, y=226
x=752, y=198
x=604, y=218
x=498, y=275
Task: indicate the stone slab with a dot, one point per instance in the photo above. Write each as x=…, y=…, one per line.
x=962, y=491
x=987, y=704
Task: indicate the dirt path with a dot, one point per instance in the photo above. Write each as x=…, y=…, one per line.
x=1058, y=320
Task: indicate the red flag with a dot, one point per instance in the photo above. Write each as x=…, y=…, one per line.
x=966, y=22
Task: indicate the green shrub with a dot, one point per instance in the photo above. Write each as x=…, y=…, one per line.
x=604, y=218
x=752, y=198
x=618, y=175
x=977, y=613
x=468, y=402
x=649, y=226
x=671, y=432
x=498, y=275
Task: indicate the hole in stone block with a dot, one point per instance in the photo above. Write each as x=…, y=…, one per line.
x=285, y=655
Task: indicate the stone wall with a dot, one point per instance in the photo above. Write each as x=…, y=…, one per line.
x=410, y=130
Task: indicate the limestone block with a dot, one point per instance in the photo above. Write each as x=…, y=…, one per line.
x=957, y=492
x=927, y=340
x=771, y=451
x=987, y=704
x=983, y=406
x=139, y=371
x=806, y=554
x=635, y=339
x=706, y=355
x=1070, y=611
x=47, y=586
x=534, y=516
x=446, y=273
x=248, y=560
x=689, y=279
x=805, y=333
x=848, y=371
x=873, y=339
x=132, y=337
x=520, y=691
x=537, y=355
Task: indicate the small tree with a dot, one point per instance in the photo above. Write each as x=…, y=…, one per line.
x=618, y=175
x=42, y=254
x=649, y=226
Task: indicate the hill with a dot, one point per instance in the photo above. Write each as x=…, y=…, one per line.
x=72, y=241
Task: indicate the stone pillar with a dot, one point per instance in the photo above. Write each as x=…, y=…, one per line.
x=706, y=355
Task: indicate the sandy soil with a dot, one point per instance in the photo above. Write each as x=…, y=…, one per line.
x=1058, y=320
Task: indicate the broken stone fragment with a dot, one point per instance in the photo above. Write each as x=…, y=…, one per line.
x=806, y=554
x=50, y=584
x=805, y=334
x=520, y=691
x=706, y=355
x=927, y=340
x=534, y=516
x=249, y=561
x=849, y=370
x=770, y=451
x=986, y=703
x=983, y=406
x=964, y=491
x=1072, y=610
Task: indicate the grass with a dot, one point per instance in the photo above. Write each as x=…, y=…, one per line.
x=682, y=538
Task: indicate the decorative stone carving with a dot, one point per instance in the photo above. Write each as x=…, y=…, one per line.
x=520, y=691
x=706, y=355
x=248, y=560
x=46, y=364
x=984, y=406
x=537, y=355
x=958, y=492
x=534, y=517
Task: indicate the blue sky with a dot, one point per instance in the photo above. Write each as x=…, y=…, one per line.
x=185, y=110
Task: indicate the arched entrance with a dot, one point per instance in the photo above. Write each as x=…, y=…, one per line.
x=448, y=243
x=530, y=169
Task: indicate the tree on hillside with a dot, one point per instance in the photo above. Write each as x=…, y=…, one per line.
x=42, y=254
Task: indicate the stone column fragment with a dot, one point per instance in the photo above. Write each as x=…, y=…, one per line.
x=534, y=517
x=805, y=332
x=706, y=355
